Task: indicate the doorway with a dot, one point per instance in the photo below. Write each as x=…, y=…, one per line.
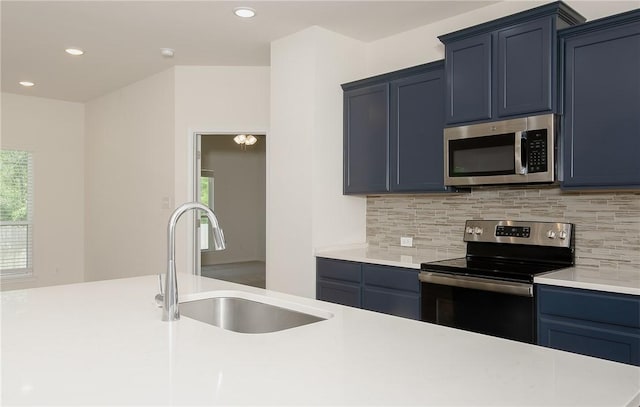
x=231, y=180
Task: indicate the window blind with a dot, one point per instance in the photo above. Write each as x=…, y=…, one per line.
x=16, y=213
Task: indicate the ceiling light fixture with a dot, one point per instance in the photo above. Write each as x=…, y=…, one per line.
x=74, y=51
x=244, y=12
x=245, y=140
x=167, y=52
x=27, y=84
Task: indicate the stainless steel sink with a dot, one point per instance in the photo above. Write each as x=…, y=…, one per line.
x=246, y=316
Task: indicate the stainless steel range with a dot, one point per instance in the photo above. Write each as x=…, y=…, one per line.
x=491, y=290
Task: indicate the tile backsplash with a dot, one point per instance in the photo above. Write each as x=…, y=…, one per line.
x=607, y=224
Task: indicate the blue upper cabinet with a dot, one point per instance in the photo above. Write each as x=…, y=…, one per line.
x=417, y=121
x=506, y=67
x=525, y=74
x=468, y=70
x=393, y=127
x=601, y=121
x=366, y=139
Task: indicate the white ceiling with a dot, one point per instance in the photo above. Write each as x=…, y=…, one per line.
x=122, y=39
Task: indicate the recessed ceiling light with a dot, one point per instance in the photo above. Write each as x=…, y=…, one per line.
x=26, y=84
x=74, y=51
x=167, y=52
x=244, y=12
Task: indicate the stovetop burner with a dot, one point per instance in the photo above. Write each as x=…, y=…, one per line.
x=511, y=250
x=510, y=271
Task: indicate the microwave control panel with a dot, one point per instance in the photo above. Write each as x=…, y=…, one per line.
x=537, y=151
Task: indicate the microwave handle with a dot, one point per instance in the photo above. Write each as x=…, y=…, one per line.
x=521, y=152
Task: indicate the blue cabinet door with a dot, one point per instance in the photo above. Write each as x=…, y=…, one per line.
x=342, y=270
x=468, y=65
x=593, y=323
x=601, y=122
x=366, y=140
x=506, y=67
x=416, y=135
x=339, y=282
x=525, y=78
x=610, y=342
x=391, y=290
x=396, y=303
x=339, y=293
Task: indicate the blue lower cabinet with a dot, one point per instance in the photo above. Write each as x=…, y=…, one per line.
x=339, y=282
x=593, y=323
x=339, y=293
x=391, y=302
x=338, y=270
x=390, y=290
x=609, y=342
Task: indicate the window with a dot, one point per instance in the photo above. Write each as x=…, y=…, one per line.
x=206, y=198
x=16, y=213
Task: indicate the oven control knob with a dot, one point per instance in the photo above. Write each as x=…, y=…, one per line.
x=477, y=230
x=562, y=235
x=551, y=234
x=469, y=230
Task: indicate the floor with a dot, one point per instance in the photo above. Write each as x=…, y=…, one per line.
x=249, y=273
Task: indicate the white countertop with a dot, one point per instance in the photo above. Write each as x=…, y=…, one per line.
x=104, y=343
x=612, y=279
x=400, y=257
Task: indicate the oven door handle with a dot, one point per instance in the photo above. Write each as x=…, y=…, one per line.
x=476, y=283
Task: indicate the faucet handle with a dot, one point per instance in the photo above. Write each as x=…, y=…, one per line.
x=160, y=297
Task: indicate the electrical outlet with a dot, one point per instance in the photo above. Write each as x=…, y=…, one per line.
x=406, y=241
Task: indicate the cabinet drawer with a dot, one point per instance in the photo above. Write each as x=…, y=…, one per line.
x=339, y=293
x=338, y=270
x=620, y=344
x=392, y=302
x=608, y=308
x=394, y=278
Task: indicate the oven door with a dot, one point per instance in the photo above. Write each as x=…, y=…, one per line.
x=492, y=307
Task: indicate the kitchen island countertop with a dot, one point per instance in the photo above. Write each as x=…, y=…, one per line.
x=103, y=343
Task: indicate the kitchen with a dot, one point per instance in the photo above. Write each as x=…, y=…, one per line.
x=333, y=219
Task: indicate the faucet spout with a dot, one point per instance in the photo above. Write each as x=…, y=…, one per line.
x=170, y=311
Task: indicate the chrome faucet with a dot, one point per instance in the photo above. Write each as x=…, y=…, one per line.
x=169, y=300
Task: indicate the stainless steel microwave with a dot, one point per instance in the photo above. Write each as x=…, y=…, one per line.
x=515, y=151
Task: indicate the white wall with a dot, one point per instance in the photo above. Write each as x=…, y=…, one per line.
x=54, y=132
x=239, y=197
x=593, y=10
x=305, y=203
x=137, y=159
x=129, y=177
x=421, y=45
x=214, y=99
